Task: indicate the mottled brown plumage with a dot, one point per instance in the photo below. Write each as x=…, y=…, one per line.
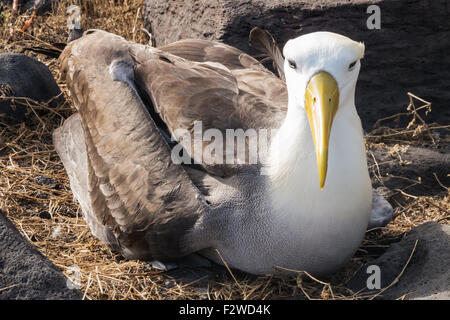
x=128, y=96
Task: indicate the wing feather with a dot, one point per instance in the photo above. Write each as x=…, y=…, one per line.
x=134, y=197
x=184, y=92
x=263, y=41
x=134, y=188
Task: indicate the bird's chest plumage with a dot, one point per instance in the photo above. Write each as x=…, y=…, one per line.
x=318, y=241
x=295, y=225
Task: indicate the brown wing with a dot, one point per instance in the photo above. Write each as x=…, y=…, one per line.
x=146, y=202
x=250, y=74
x=204, y=50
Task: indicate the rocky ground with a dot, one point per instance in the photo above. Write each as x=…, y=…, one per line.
x=407, y=53
x=26, y=273
x=407, y=142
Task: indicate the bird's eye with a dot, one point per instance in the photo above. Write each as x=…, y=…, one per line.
x=351, y=65
x=292, y=64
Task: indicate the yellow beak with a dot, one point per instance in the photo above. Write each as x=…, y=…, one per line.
x=321, y=103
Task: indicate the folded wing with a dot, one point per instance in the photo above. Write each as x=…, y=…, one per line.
x=128, y=97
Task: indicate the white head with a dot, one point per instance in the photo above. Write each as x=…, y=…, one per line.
x=321, y=70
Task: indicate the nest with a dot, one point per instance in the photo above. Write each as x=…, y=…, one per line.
x=35, y=193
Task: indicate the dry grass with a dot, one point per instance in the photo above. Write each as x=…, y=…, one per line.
x=411, y=210
x=35, y=192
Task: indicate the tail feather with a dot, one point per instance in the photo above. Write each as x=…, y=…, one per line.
x=263, y=41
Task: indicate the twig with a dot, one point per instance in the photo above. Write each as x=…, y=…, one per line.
x=326, y=284
x=443, y=218
x=41, y=41
x=399, y=275
x=98, y=280
x=228, y=268
x=9, y=287
x=412, y=204
x=15, y=7
x=33, y=104
x=87, y=286
x=30, y=21
x=135, y=23
x=406, y=194
x=439, y=181
x=435, y=205
x=404, y=132
x=379, y=177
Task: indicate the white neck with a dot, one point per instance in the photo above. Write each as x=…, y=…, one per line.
x=293, y=178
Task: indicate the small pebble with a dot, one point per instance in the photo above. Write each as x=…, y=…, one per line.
x=44, y=215
x=45, y=181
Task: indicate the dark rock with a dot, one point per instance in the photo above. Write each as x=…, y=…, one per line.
x=382, y=211
x=25, y=273
x=45, y=181
x=23, y=76
x=418, y=163
x=408, y=54
x=42, y=5
x=44, y=215
x=427, y=276
x=28, y=5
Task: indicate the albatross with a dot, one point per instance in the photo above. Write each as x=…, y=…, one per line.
x=306, y=207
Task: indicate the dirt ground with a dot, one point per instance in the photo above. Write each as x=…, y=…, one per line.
x=411, y=162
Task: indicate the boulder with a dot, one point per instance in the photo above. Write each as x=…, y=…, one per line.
x=407, y=54
x=419, y=162
x=25, y=5
x=24, y=76
x=427, y=276
x=25, y=273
